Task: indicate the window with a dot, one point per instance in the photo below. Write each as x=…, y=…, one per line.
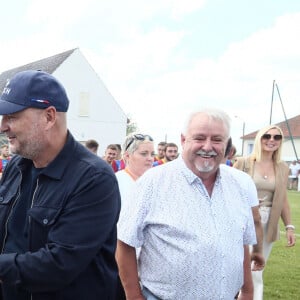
x=84, y=104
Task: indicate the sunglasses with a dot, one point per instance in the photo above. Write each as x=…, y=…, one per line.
x=139, y=137
x=276, y=137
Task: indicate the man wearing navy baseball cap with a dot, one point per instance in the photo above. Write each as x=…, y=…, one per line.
x=60, y=202
x=35, y=89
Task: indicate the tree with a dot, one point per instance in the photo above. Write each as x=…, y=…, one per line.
x=131, y=126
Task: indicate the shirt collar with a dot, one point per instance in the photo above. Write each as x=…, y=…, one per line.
x=56, y=168
x=192, y=177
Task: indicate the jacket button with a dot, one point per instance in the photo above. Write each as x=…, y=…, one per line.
x=45, y=221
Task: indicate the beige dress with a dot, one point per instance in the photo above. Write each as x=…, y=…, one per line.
x=247, y=164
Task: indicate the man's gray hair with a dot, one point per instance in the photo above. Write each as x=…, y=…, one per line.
x=214, y=114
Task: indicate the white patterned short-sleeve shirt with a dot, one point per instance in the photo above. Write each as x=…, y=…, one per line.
x=191, y=243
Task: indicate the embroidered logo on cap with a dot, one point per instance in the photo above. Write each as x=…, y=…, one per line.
x=40, y=101
x=6, y=90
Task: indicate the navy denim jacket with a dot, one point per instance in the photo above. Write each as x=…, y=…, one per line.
x=72, y=227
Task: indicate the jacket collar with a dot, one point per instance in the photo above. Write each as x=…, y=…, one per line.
x=56, y=168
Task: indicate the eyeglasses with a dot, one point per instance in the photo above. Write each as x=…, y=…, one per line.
x=139, y=137
x=276, y=137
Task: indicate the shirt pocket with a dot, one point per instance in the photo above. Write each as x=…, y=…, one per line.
x=41, y=221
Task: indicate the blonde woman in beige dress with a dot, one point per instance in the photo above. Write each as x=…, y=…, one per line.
x=270, y=175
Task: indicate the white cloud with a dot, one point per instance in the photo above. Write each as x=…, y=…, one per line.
x=144, y=55
x=56, y=14
x=180, y=8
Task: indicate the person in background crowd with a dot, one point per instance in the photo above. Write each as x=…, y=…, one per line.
x=294, y=171
x=119, y=155
x=118, y=164
x=111, y=153
x=5, y=158
x=160, y=151
x=159, y=158
x=204, y=237
x=139, y=156
x=230, y=153
x=58, y=225
x=171, y=152
x=92, y=145
x=270, y=175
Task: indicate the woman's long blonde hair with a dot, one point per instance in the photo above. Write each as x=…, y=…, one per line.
x=257, y=149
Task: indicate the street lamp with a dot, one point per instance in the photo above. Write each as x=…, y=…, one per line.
x=243, y=140
x=243, y=133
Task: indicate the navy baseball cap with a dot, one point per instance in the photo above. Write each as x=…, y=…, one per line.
x=31, y=88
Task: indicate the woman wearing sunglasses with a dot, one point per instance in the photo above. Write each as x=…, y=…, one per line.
x=138, y=156
x=270, y=175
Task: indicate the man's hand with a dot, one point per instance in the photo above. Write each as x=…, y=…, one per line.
x=258, y=261
x=245, y=295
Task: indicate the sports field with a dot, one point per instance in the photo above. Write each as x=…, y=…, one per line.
x=282, y=273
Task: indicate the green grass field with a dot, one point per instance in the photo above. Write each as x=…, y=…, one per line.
x=282, y=273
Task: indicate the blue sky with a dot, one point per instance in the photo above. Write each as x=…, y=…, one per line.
x=162, y=58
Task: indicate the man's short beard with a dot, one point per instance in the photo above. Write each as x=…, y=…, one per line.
x=205, y=168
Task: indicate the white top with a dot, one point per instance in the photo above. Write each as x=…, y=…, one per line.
x=126, y=185
x=191, y=243
x=125, y=182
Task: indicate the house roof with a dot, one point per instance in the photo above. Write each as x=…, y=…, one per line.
x=293, y=123
x=49, y=65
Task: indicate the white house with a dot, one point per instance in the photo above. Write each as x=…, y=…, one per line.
x=93, y=112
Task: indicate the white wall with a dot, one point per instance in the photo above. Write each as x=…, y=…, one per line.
x=288, y=153
x=106, y=122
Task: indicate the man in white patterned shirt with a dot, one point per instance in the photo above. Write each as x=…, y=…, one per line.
x=192, y=220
